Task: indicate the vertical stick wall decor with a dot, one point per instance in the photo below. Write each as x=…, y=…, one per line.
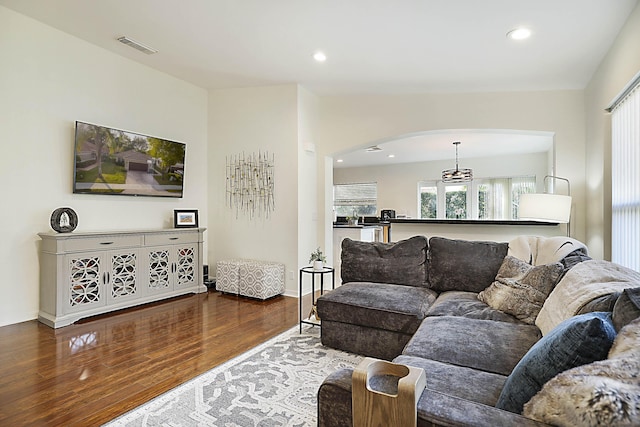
x=250, y=184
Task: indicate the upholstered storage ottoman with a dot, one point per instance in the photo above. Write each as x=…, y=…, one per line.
x=250, y=278
x=261, y=279
x=227, y=276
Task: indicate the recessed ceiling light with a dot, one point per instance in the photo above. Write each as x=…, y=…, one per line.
x=391, y=156
x=339, y=160
x=320, y=56
x=519, y=34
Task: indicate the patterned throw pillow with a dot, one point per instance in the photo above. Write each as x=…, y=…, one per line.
x=577, y=341
x=520, y=289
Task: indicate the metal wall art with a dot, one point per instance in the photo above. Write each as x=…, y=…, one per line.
x=250, y=184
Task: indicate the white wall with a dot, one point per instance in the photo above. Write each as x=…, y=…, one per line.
x=308, y=185
x=398, y=184
x=251, y=120
x=48, y=80
x=354, y=121
x=618, y=67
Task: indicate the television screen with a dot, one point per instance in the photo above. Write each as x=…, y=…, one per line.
x=113, y=161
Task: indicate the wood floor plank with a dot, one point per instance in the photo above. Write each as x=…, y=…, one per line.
x=90, y=372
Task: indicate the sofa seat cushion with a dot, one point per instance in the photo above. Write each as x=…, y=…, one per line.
x=377, y=305
x=362, y=340
x=459, y=381
x=401, y=263
x=467, y=304
x=479, y=344
x=462, y=265
x=435, y=408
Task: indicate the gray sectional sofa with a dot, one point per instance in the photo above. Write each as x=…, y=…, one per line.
x=481, y=319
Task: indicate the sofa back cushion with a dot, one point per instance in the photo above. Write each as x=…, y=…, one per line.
x=462, y=265
x=400, y=263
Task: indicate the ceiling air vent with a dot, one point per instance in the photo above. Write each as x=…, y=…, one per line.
x=139, y=46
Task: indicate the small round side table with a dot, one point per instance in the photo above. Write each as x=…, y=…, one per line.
x=321, y=272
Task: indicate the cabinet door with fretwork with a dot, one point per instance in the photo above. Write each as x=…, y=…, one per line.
x=159, y=271
x=123, y=276
x=186, y=265
x=85, y=276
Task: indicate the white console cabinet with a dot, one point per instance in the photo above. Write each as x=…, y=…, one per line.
x=84, y=274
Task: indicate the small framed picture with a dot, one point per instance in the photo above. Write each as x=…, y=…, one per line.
x=185, y=218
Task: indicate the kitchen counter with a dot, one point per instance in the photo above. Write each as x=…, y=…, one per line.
x=474, y=229
x=516, y=222
x=355, y=226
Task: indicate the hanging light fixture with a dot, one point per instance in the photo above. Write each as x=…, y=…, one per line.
x=457, y=174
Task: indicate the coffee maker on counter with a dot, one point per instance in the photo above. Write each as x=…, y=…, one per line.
x=387, y=214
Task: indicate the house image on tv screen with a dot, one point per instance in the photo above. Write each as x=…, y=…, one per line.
x=113, y=161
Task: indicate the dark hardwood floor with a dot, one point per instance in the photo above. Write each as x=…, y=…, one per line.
x=97, y=369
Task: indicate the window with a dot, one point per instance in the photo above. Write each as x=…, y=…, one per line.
x=428, y=201
x=456, y=201
x=625, y=177
x=485, y=198
x=360, y=199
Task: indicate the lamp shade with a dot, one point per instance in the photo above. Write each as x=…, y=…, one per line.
x=545, y=207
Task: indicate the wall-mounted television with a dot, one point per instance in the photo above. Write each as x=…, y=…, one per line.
x=118, y=162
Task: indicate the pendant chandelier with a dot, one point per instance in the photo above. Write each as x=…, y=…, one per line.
x=457, y=174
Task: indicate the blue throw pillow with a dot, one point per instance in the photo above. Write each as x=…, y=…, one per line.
x=576, y=341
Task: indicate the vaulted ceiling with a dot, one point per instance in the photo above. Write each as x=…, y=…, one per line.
x=403, y=46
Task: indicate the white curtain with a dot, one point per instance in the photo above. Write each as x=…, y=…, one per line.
x=625, y=180
x=502, y=196
x=498, y=195
x=520, y=185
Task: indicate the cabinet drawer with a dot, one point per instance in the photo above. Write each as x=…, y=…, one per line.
x=170, y=239
x=101, y=243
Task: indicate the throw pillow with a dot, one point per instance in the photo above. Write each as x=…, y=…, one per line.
x=520, y=289
x=576, y=341
x=601, y=393
x=463, y=265
x=627, y=343
x=627, y=308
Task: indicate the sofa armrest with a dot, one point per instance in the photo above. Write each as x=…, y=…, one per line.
x=334, y=400
x=434, y=408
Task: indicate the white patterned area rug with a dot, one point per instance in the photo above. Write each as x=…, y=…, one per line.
x=273, y=384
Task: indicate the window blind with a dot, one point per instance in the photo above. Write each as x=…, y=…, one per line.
x=355, y=194
x=625, y=180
